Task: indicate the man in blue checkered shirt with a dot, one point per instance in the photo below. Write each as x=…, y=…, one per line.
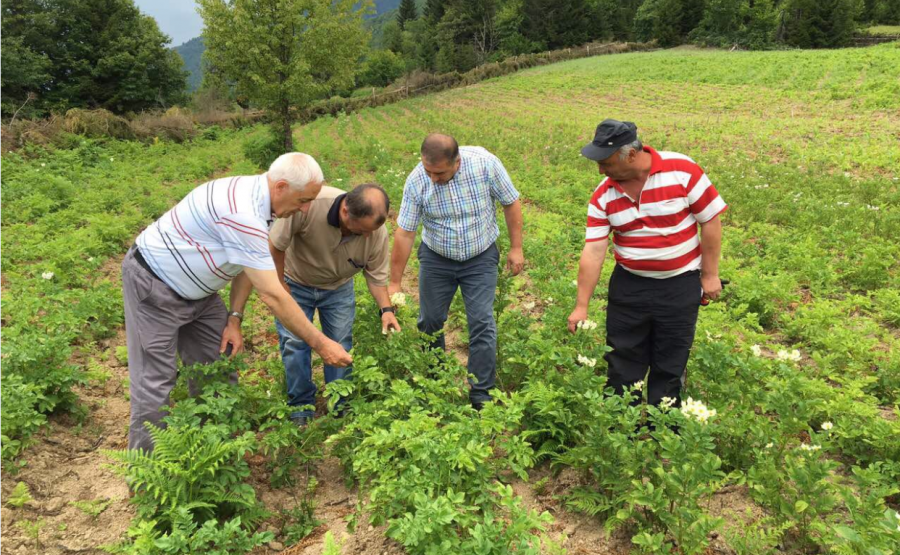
x=452, y=193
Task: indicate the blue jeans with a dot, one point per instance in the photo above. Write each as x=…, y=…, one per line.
x=337, y=310
x=439, y=278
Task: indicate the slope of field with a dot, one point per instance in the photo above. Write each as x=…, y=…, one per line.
x=802, y=456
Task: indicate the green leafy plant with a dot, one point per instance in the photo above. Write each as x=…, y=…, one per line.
x=93, y=508
x=19, y=496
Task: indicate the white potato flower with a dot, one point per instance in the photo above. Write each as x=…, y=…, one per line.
x=696, y=410
x=793, y=356
x=585, y=361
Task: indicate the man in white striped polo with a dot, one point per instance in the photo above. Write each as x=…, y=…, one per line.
x=170, y=281
x=652, y=202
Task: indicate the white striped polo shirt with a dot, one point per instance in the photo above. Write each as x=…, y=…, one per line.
x=208, y=238
x=657, y=235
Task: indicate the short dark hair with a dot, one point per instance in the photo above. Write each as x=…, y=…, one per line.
x=438, y=147
x=360, y=204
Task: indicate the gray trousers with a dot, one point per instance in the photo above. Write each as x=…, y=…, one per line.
x=160, y=325
x=439, y=277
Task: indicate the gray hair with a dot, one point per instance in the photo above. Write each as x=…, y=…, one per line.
x=626, y=150
x=297, y=169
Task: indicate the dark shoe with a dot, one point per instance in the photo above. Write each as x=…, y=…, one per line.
x=301, y=421
x=478, y=405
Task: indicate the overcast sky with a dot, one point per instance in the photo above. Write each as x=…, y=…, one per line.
x=177, y=18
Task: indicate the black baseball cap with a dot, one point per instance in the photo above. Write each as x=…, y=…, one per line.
x=611, y=135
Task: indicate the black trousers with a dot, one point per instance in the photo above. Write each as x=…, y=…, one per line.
x=651, y=323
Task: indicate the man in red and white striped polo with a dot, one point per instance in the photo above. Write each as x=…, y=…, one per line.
x=651, y=202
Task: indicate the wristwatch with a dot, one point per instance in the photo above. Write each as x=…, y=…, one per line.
x=387, y=309
x=236, y=314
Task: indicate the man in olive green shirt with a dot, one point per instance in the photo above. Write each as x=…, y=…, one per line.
x=316, y=254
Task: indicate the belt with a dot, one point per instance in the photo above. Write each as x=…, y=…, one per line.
x=140, y=260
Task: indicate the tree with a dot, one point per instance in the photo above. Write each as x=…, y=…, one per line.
x=555, y=23
x=381, y=69
x=434, y=11
x=720, y=24
x=820, y=23
x=87, y=53
x=407, y=12
x=659, y=20
x=887, y=12
x=283, y=54
x=392, y=37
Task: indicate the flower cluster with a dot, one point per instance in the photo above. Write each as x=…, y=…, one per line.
x=638, y=386
x=47, y=275
x=589, y=362
x=398, y=299
x=793, y=356
x=826, y=426
x=587, y=325
x=756, y=350
x=809, y=448
x=666, y=403
x=529, y=305
x=696, y=410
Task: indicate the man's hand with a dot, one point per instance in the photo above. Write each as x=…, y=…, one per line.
x=578, y=315
x=515, y=261
x=333, y=354
x=232, y=336
x=712, y=286
x=389, y=323
x=393, y=288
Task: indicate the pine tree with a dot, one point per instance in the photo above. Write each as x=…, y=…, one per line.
x=406, y=12
x=434, y=11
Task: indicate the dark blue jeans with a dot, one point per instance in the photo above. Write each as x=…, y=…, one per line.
x=439, y=278
x=337, y=310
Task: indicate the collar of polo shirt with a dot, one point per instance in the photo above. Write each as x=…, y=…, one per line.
x=334, y=213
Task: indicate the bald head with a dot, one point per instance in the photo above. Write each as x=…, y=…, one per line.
x=438, y=148
x=368, y=201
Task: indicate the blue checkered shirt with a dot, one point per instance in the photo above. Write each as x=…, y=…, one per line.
x=459, y=218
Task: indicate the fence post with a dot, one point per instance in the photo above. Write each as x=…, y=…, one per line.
x=373, y=91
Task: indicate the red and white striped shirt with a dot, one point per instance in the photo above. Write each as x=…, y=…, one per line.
x=657, y=235
x=209, y=237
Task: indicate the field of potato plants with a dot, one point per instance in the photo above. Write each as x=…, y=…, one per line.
x=798, y=365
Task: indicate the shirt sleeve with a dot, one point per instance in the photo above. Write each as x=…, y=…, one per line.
x=597, y=223
x=502, y=188
x=703, y=199
x=411, y=207
x=378, y=266
x=246, y=241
